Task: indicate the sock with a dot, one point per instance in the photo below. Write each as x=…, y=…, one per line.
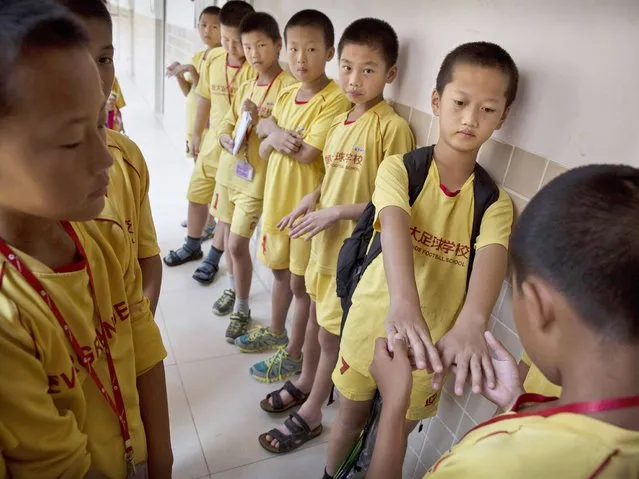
x=326, y=476
x=231, y=281
x=213, y=258
x=193, y=244
x=241, y=306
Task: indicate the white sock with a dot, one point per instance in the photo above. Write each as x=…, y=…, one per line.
x=241, y=306
x=231, y=281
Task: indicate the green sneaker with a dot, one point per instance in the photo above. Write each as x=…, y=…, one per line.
x=224, y=304
x=238, y=326
x=260, y=340
x=276, y=368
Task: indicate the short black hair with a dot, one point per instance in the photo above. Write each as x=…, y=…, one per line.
x=580, y=235
x=261, y=22
x=374, y=33
x=210, y=11
x=30, y=26
x=484, y=54
x=316, y=19
x=233, y=12
x=89, y=9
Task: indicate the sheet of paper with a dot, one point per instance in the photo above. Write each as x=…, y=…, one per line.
x=242, y=130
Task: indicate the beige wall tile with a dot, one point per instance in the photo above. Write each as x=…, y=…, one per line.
x=552, y=172
x=506, y=315
x=494, y=157
x=449, y=411
x=519, y=204
x=479, y=408
x=420, y=124
x=433, y=136
x=402, y=110
x=525, y=172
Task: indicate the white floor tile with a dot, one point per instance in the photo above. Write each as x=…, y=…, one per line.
x=188, y=458
x=225, y=404
x=308, y=463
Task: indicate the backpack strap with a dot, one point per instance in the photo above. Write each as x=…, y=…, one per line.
x=417, y=163
x=486, y=193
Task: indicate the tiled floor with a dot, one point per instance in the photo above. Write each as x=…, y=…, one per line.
x=213, y=402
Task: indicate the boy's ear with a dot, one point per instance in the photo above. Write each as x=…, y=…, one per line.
x=435, y=102
x=330, y=53
x=278, y=45
x=504, y=116
x=538, y=301
x=391, y=74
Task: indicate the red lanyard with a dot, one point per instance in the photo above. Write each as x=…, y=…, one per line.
x=575, y=408
x=229, y=84
x=117, y=402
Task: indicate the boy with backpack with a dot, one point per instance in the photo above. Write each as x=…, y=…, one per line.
x=356, y=144
x=562, y=285
x=436, y=214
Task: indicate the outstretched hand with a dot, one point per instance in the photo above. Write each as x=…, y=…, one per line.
x=306, y=206
x=314, y=223
x=392, y=371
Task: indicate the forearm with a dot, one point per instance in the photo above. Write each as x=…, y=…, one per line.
x=489, y=272
x=151, y=279
x=266, y=148
x=350, y=212
x=398, y=255
x=390, y=444
x=185, y=85
x=266, y=127
x=201, y=115
x=155, y=417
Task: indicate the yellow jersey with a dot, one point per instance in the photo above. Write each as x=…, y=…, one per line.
x=264, y=97
x=287, y=180
x=119, y=97
x=352, y=155
x=536, y=382
x=129, y=192
x=197, y=61
x=55, y=422
x=564, y=445
x=440, y=230
x=218, y=83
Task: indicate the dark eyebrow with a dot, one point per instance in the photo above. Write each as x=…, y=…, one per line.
x=108, y=47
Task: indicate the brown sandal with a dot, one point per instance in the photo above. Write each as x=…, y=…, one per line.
x=300, y=433
x=278, y=406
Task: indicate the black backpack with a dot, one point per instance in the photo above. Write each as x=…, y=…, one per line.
x=356, y=255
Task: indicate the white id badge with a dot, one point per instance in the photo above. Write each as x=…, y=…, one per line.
x=244, y=170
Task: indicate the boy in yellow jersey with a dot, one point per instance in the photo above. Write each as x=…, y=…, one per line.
x=418, y=287
x=223, y=72
x=115, y=103
x=129, y=177
x=534, y=379
x=293, y=144
x=240, y=179
x=579, y=337
x=80, y=355
x=188, y=76
x=355, y=146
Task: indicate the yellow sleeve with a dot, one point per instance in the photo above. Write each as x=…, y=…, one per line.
x=119, y=102
x=316, y=134
x=202, y=88
x=280, y=104
x=526, y=359
x=391, y=187
x=398, y=138
x=497, y=222
x=147, y=236
x=36, y=440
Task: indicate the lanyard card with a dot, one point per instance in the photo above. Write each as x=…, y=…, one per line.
x=244, y=170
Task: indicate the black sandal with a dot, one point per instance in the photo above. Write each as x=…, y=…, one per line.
x=301, y=433
x=174, y=258
x=278, y=406
x=205, y=276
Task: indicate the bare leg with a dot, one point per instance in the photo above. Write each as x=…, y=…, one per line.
x=242, y=266
x=346, y=428
x=281, y=300
x=302, y=306
x=196, y=219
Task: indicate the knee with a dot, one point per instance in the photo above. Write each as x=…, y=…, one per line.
x=298, y=286
x=353, y=419
x=237, y=247
x=329, y=342
x=281, y=275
